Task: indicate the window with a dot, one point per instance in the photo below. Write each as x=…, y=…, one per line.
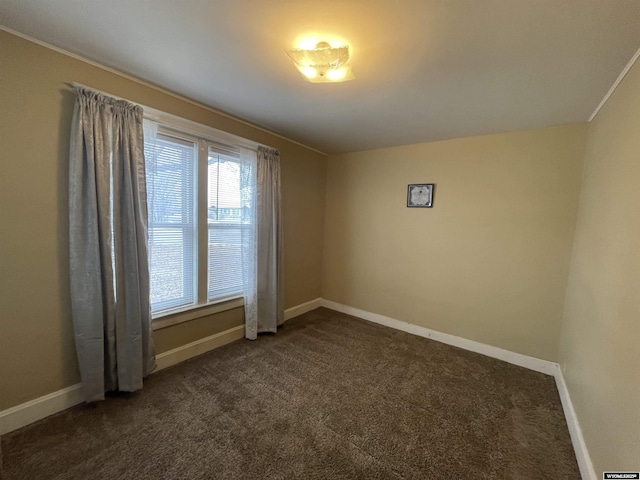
x=224, y=218
x=195, y=224
x=171, y=189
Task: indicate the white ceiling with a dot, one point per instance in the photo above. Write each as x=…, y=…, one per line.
x=425, y=69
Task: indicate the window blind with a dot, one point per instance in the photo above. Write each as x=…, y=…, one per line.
x=171, y=187
x=224, y=218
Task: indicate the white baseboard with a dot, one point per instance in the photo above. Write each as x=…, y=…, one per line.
x=532, y=363
x=193, y=349
x=289, y=313
x=22, y=415
x=34, y=410
x=579, y=446
x=39, y=408
x=543, y=366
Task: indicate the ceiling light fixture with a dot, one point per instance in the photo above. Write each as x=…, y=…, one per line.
x=323, y=63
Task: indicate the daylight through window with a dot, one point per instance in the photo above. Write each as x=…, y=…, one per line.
x=177, y=199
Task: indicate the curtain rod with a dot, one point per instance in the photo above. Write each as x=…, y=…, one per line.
x=176, y=123
x=80, y=85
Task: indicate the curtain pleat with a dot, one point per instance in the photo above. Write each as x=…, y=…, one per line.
x=269, y=242
x=249, y=252
x=108, y=245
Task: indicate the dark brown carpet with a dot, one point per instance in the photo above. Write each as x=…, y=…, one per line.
x=329, y=397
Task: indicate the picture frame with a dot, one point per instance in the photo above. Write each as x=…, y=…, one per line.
x=420, y=195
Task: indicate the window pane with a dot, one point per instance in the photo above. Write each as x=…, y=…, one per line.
x=224, y=218
x=225, y=261
x=171, y=166
x=223, y=200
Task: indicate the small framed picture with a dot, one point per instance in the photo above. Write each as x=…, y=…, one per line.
x=420, y=195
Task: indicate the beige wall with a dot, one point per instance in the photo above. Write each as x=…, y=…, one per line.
x=166, y=339
x=37, y=354
x=488, y=262
x=599, y=350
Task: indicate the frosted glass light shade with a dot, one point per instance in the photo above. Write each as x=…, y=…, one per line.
x=323, y=63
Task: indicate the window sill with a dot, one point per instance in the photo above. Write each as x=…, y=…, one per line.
x=191, y=313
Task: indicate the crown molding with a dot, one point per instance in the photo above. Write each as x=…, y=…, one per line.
x=615, y=84
x=154, y=87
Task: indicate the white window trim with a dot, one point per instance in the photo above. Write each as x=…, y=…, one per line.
x=193, y=312
x=205, y=136
x=186, y=137
x=189, y=127
x=183, y=126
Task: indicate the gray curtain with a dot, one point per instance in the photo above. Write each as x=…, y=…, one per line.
x=108, y=245
x=269, y=268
